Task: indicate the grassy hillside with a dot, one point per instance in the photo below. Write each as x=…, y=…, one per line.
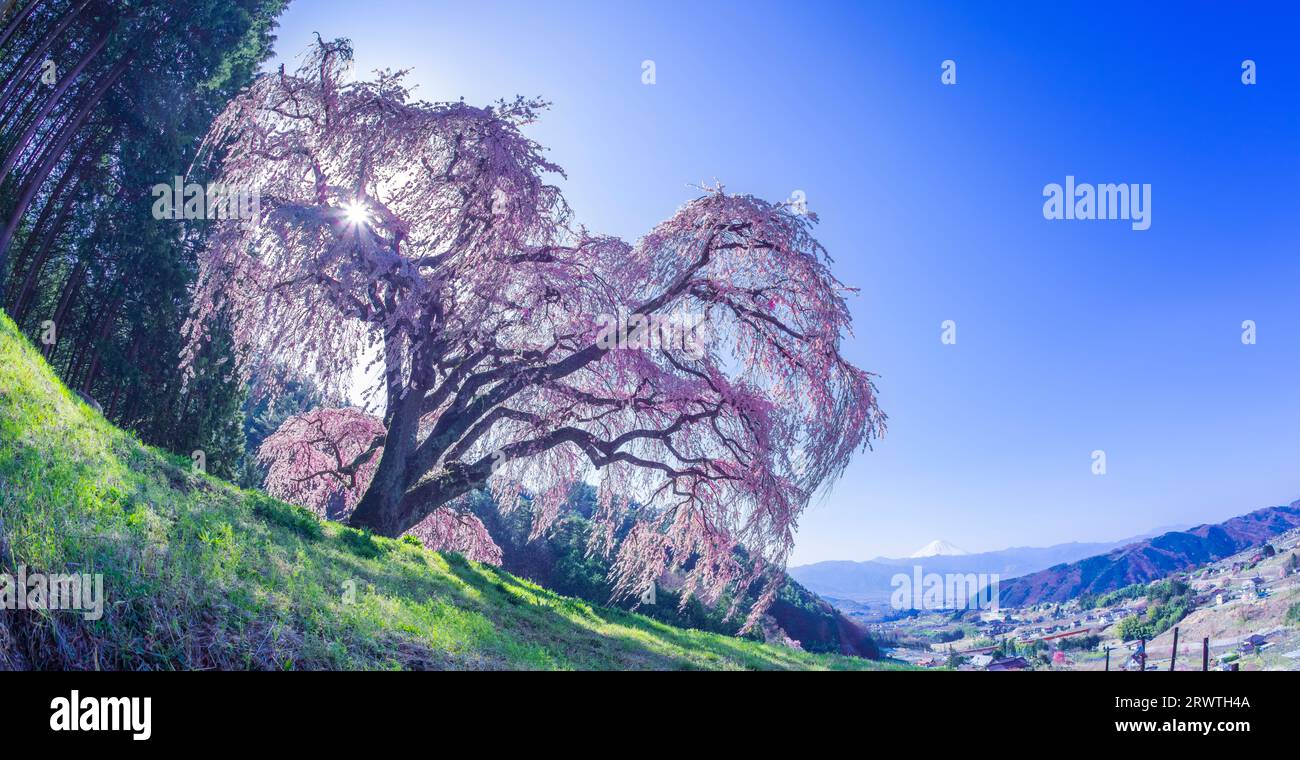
x=200, y=574
x=560, y=562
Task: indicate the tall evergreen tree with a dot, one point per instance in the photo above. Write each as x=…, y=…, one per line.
x=101, y=100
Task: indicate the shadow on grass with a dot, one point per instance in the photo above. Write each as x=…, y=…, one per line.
x=647, y=642
x=199, y=574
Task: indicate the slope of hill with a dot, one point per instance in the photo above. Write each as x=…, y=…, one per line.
x=560, y=561
x=200, y=574
x=870, y=581
x=1150, y=559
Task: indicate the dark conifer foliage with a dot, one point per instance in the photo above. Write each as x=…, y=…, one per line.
x=101, y=100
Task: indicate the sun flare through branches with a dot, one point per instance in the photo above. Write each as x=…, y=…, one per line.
x=427, y=235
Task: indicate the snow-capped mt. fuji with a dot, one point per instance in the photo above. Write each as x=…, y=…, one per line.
x=939, y=548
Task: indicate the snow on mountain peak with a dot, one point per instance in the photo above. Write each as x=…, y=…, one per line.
x=939, y=548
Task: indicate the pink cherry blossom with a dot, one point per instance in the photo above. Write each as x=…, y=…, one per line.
x=324, y=460
x=426, y=237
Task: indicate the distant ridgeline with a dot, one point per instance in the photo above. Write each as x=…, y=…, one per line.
x=559, y=562
x=1150, y=559
x=873, y=582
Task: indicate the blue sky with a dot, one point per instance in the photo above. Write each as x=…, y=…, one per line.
x=1072, y=336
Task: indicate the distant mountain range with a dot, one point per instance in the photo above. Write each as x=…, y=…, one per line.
x=1150, y=559
x=870, y=581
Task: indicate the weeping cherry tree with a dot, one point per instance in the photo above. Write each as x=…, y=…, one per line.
x=421, y=245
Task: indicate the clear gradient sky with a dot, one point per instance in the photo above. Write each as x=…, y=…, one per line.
x=1072, y=336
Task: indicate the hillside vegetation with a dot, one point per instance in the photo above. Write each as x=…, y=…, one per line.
x=559, y=561
x=201, y=574
x=1151, y=559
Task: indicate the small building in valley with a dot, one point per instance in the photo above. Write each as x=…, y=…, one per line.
x=1009, y=663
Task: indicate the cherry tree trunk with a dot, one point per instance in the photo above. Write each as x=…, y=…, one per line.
x=381, y=508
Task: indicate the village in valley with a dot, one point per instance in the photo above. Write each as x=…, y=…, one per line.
x=1238, y=613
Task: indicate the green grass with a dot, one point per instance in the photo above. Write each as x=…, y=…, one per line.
x=199, y=574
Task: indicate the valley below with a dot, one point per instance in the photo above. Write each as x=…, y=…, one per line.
x=1238, y=612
